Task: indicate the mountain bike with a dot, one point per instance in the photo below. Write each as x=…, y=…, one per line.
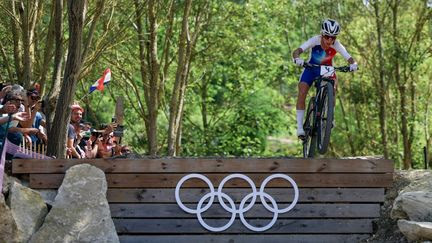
x=320, y=110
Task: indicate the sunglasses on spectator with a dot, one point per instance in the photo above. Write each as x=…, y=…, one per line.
x=327, y=37
x=35, y=97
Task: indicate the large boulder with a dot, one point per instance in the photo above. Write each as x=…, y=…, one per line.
x=28, y=209
x=8, y=228
x=416, y=231
x=80, y=212
x=415, y=206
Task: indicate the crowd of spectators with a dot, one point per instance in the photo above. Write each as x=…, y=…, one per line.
x=23, y=120
x=83, y=141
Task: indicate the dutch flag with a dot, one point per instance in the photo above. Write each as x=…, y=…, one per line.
x=99, y=84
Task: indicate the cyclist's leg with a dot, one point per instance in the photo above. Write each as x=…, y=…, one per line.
x=306, y=80
x=303, y=89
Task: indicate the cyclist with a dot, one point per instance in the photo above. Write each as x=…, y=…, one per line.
x=324, y=48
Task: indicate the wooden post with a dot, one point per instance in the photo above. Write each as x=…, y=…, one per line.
x=119, y=110
x=119, y=116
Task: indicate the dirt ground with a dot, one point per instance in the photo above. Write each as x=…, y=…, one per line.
x=386, y=228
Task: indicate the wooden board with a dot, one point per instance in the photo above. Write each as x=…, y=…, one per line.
x=197, y=165
x=221, y=238
x=286, y=226
x=171, y=180
x=257, y=211
x=281, y=195
x=338, y=199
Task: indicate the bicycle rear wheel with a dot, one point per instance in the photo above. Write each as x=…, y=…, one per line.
x=309, y=143
x=325, y=120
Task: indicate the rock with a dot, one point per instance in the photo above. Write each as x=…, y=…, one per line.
x=48, y=195
x=415, y=206
x=7, y=182
x=416, y=231
x=80, y=212
x=423, y=182
x=28, y=209
x=8, y=228
x=387, y=228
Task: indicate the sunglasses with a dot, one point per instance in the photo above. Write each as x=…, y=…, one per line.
x=327, y=37
x=35, y=97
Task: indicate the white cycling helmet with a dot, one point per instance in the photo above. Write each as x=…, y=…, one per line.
x=330, y=27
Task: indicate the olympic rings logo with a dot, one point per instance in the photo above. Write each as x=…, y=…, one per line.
x=232, y=207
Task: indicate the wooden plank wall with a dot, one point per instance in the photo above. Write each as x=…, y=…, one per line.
x=338, y=199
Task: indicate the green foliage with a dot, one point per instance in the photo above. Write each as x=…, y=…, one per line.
x=242, y=88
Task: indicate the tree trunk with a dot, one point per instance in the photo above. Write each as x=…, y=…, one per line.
x=165, y=62
x=73, y=65
x=347, y=130
x=99, y=6
x=143, y=67
x=204, y=115
x=404, y=128
x=6, y=62
x=28, y=19
x=153, y=107
x=48, y=49
x=407, y=163
x=54, y=91
x=381, y=84
x=16, y=42
x=180, y=76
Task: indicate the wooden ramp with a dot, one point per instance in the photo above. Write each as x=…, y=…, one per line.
x=338, y=198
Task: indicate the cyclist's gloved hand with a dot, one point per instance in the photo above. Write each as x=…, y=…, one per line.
x=298, y=61
x=353, y=67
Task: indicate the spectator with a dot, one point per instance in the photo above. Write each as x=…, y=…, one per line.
x=14, y=100
x=74, y=132
x=106, y=144
x=4, y=90
x=36, y=120
x=89, y=143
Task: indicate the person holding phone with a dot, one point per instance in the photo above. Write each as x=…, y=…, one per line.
x=33, y=108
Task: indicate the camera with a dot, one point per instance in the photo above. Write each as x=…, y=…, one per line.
x=96, y=133
x=118, y=131
x=86, y=134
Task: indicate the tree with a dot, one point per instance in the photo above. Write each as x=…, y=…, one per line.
x=57, y=135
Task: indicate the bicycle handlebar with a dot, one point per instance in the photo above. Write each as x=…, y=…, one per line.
x=341, y=69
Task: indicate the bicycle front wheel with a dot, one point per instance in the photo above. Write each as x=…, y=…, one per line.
x=325, y=121
x=309, y=143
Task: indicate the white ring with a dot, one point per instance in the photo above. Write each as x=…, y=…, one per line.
x=248, y=180
x=296, y=192
x=233, y=210
x=177, y=193
x=275, y=213
x=216, y=229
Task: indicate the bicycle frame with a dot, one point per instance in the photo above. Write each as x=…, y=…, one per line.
x=317, y=98
x=319, y=117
